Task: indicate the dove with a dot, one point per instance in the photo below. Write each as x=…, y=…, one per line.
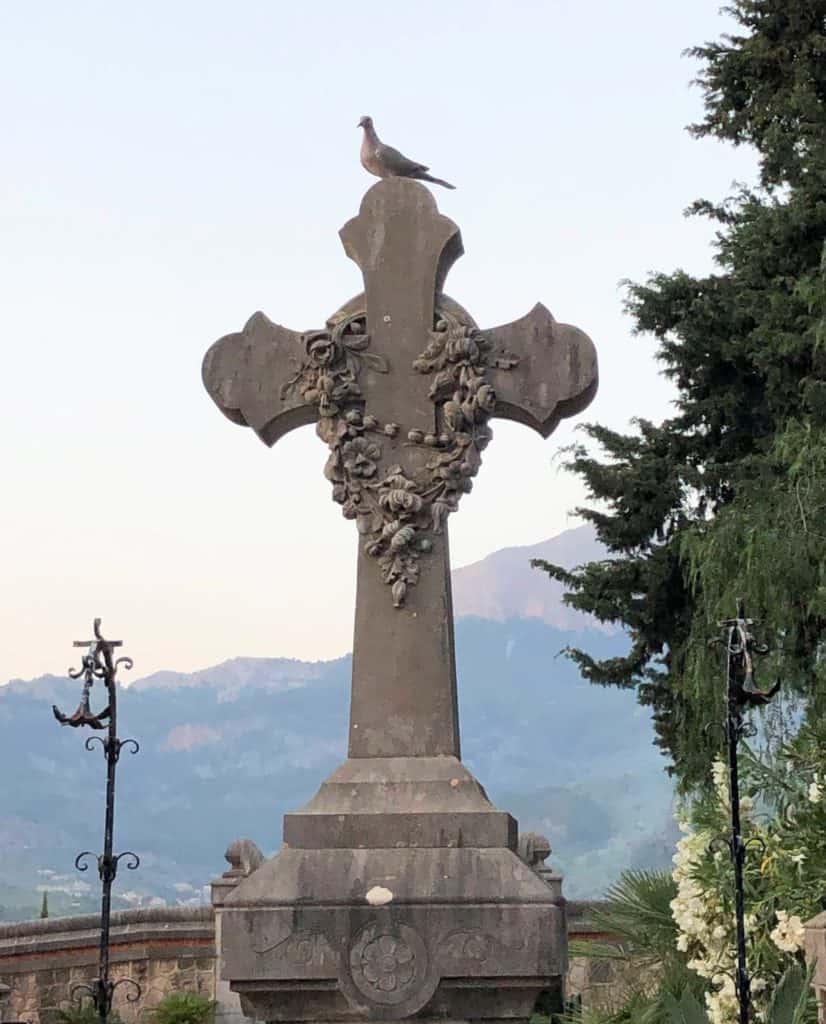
x=386, y=162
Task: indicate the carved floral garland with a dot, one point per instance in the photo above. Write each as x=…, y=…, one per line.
x=395, y=513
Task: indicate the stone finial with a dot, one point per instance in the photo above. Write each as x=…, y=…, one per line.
x=534, y=849
x=243, y=857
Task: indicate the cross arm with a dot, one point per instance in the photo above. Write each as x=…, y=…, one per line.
x=254, y=377
x=542, y=371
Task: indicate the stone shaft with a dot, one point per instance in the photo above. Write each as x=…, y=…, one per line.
x=403, y=700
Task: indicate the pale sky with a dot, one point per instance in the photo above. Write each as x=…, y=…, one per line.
x=169, y=168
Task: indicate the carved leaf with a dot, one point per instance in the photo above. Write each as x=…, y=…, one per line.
x=357, y=342
x=376, y=363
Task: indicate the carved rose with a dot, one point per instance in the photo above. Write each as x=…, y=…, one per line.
x=463, y=349
x=320, y=348
x=360, y=457
x=388, y=963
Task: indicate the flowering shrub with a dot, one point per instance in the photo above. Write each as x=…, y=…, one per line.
x=783, y=819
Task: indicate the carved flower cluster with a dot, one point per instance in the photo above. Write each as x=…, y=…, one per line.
x=396, y=511
x=388, y=963
x=329, y=372
x=457, y=357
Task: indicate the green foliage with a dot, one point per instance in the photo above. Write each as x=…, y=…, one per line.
x=725, y=498
x=686, y=1010
x=637, y=914
x=674, y=934
x=790, y=999
x=83, y=1014
x=184, y=1008
x=791, y=1002
x=783, y=825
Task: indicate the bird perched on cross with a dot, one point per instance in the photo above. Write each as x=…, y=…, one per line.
x=386, y=162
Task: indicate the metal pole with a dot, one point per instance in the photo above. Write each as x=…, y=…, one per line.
x=99, y=663
x=733, y=727
x=740, y=694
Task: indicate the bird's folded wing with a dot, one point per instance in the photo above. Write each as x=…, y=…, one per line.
x=397, y=163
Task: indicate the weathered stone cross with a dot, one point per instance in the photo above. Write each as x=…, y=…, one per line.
x=401, y=385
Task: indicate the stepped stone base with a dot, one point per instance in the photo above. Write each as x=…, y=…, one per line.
x=398, y=894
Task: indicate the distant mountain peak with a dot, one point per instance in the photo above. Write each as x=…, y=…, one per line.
x=503, y=585
x=236, y=674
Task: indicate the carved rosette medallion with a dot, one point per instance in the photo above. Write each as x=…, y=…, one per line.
x=395, y=511
x=388, y=964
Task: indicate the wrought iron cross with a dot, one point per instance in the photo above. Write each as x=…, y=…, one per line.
x=401, y=385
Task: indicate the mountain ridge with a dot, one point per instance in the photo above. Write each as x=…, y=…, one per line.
x=503, y=585
x=226, y=750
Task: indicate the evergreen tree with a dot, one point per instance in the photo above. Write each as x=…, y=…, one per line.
x=727, y=497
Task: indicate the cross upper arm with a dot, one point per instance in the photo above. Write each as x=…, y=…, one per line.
x=249, y=375
x=542, y=371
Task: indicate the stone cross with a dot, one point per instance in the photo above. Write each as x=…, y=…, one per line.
x=401, y=385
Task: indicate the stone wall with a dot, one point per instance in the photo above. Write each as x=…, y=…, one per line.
x=166, y=950
x=816, y=954
x=163, y=950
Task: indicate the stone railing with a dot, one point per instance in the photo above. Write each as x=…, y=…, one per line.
x=816, y=954
x=170, y=949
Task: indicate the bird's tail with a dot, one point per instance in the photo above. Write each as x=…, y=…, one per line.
x=436, y=181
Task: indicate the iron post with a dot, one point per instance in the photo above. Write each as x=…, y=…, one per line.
x=99, y=663
x=741, y=693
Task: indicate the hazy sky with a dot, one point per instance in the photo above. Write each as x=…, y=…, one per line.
x=169, y=168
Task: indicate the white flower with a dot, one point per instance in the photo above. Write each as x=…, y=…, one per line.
x=719, y=775
x=798, y=858
x=815, y=792
x=682, y=943
x=789, y=934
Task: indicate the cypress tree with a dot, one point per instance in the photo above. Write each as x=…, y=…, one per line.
x=727, y=497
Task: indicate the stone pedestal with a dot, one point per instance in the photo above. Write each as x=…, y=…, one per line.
x=398, y=894
x=816, y=954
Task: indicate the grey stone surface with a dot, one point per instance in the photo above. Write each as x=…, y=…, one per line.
x=816, y=954
x=165, y=958
x=400, y=802
x=399, y=891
